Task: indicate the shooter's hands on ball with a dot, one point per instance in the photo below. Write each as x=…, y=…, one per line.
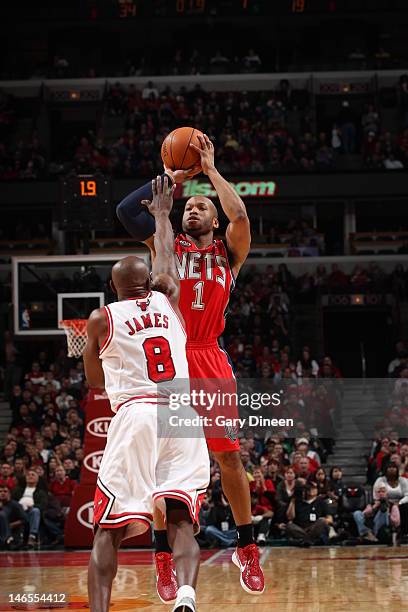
x=162, y=197
x=206, y=153
x=179, y=176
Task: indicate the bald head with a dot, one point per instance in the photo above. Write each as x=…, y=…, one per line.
x=200, y=216
x=130, y=276
x=203, y=200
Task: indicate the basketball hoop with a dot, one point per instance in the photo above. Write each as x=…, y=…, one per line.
x=75, y=330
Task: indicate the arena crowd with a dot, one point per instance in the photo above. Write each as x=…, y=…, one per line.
x=254, y=132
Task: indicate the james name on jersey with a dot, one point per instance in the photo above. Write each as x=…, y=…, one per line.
x=157, y=319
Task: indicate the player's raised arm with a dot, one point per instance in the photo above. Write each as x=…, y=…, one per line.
x=96, y=330
x=135, y=217
x=238, y=232
x=165, y=277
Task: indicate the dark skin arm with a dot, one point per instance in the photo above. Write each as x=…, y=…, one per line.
x=177, y=177
x=97, y=330
x=238, y=234
x=165, y=277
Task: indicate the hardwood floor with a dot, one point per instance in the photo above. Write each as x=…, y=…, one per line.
x=362, y=579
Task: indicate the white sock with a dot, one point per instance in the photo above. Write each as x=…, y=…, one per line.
x=186, y=591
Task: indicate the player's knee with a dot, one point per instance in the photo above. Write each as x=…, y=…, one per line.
x=177, y=512
x=106, y=542
x=229, y=461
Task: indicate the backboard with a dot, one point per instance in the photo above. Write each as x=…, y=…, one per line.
x=48, y=289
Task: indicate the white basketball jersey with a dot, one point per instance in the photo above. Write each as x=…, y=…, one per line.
x=144, y=353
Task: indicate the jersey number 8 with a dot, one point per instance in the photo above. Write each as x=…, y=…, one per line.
x=160, y=365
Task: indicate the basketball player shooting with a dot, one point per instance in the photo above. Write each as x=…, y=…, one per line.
x=207, y=269
x=133, y=346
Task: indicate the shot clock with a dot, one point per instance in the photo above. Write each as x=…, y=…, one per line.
x=85, y=202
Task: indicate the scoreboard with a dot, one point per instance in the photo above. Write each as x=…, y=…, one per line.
x=85, y=202
x=131, y=9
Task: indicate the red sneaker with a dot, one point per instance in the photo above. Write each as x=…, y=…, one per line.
x=166, y=583
x=252, y=578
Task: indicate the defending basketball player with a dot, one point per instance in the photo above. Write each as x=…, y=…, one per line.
x=207, y=270
x=134, y=347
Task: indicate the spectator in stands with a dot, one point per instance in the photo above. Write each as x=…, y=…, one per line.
x=377, y=514
x=303, y=447
x=252, y=62
x=6, y=476
x=33, y=501
x=371, y=120
x=304, y=468
x=306, y=365
x=62, y=488
x=397, y=492
x=246, y=461
x=322, y=482
x=284, y=493
x=12, y=520
x=220, y=528
x=328, y=369
x=19, y=470
x=72, y=470
x=8, y=454
x=150, y=92
x=261, y=518
x=347, y=121
x=336, y=484
x=307, y=514
x=273, y=471
x=36, y=377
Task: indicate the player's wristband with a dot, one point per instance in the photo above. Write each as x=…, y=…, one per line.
x=135, y=217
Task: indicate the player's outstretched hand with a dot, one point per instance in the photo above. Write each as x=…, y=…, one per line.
x=179, y=176
x=206, y=152
x=162, y=197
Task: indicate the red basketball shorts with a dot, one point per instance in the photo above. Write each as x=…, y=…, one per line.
x=211, y=372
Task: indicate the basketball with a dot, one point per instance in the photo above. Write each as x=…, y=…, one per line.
x=176, y=151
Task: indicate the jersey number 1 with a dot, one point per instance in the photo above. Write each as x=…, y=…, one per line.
x=198, y=302
x=160, y=365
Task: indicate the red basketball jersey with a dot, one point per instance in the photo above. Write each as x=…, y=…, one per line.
x=206, y=280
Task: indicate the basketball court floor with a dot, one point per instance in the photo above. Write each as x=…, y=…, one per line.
x=308, y=580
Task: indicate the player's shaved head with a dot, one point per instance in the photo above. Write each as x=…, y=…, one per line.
x=203, y=200
x=130, y=277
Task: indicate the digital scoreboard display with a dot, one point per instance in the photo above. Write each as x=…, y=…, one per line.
x=85, y=202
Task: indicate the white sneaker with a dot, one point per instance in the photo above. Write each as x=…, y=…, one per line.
x=332, y=533
x=186, y=604
x=261, y=539
x=370, y=537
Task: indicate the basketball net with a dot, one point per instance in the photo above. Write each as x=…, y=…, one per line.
x=75, y=330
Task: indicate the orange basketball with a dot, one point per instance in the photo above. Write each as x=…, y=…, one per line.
x=176, y=151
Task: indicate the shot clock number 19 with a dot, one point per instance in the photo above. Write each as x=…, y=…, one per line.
x=88, y=188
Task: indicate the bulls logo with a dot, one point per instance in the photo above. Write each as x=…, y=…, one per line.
x=92, y=462
x=99, y=427
x=143, y=304
x=85, y=515
x=185, y=243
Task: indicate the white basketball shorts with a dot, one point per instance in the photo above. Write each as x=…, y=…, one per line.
x=139, y=469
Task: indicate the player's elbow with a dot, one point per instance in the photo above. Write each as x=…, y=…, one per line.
x=241, y=217
x=96, y=383
x=242, y=223
x=121, y=212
